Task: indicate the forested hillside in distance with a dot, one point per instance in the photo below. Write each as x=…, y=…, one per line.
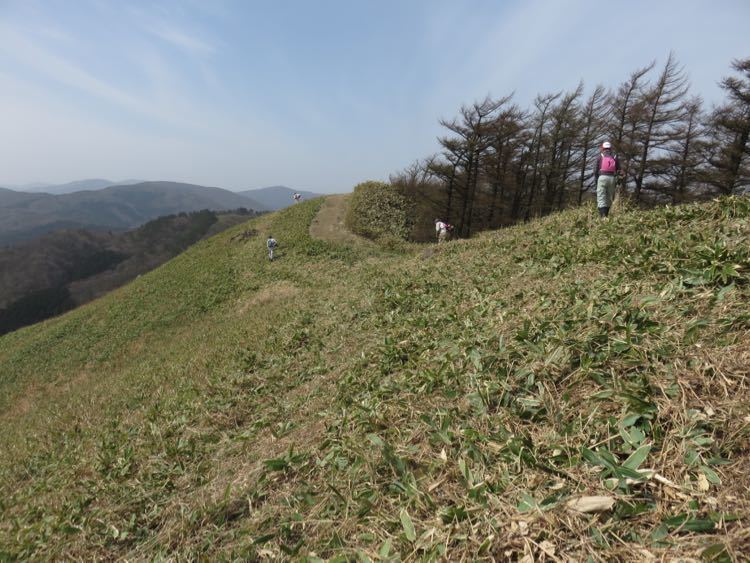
x=59, y=271
x=500, y=163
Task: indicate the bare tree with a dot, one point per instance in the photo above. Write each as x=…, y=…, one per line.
x=729, y=150
x=663, y=108
x=626, y=109
x=683, y=156
x=560, y=141
x=505, y=141
x=540, y=118
x=472, y=131
x=595, y=112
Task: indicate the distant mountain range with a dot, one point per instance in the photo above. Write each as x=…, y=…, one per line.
x=25, y=215
x=70, y=187
x=276, y=197
x=272, y=198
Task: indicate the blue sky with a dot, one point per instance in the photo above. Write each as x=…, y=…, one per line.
x=311, y=94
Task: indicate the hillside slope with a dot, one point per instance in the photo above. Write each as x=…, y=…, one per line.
x=345, y=401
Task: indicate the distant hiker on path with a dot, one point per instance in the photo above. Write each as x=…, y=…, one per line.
x=271, y=244
x=297, y=197
x=442, y=230
x=605, y=172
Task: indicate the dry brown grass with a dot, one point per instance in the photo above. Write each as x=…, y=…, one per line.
x=348, y=399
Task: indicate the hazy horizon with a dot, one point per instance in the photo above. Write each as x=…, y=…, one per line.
x=39, y=186
x=318, y=96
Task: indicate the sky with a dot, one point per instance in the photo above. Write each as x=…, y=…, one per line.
x=317, y=95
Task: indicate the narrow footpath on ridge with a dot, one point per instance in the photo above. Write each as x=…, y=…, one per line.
x=328, y=224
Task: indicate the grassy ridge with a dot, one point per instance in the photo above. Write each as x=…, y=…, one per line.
x=348, y=402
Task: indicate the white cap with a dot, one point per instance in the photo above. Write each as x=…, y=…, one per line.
x=606, y=145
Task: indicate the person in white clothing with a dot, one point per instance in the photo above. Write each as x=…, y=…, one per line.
x=441, y=230
x=271, y=244
x=297, y=197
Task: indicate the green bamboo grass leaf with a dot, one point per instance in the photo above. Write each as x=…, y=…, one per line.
x=716, y=553
x=688, y=523
x=375, y=440
x=385, y=549
x=604, y=458
x=633, y=436
x=637, y=457
x=627, y=473
x=711, y=475
x=723, y=292
x=408, y=525
x=650, y=300
x=591, y=457
x=276, y=464
x=260, y=540
x=527, y=504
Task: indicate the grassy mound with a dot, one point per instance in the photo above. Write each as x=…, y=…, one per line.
x=377, y=211
x=345, y=402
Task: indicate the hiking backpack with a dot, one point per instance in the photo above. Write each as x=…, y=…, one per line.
x=608, y=164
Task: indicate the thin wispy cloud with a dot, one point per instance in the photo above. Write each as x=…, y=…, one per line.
x=57, y=69
x=160, y=99
x=54, y=33
x=32, y=56
x=182, y=39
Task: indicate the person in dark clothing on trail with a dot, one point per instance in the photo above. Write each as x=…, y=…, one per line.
x=605, y=174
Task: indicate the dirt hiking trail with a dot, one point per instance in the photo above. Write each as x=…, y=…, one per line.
x=329, y=222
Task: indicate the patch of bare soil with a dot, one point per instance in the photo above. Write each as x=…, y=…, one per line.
x=329, y=222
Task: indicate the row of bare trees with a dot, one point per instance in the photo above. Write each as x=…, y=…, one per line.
x=500, y=163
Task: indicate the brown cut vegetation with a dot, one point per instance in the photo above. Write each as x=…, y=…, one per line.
x=565, y=390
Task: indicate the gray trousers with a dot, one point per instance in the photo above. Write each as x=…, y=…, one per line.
x=605, y=191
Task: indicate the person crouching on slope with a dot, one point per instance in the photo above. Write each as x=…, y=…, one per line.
x=271, y=244
x=441, y=230
x=605, y=172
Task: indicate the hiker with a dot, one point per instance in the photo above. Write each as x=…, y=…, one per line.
x=605, y=172
x=297, y=197
x=442, y=230
x=271, y=244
